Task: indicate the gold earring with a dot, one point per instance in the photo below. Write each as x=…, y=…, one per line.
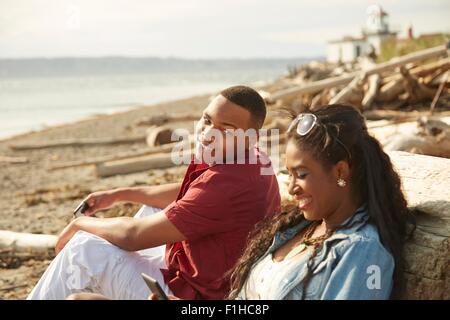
x=341, y=182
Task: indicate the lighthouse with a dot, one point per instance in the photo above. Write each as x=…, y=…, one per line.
x=373, y=34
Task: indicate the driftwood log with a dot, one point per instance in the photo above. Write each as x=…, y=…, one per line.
x=77, y=143
x=316, y=86
x=126, y=166
x=372, y=91
x=163, y=160
x=126, y=155
x=426, y=136
x=352, y=93
x=416, y=91
x=422, y=70
x=26, y=242
x=159, y=120
x=394, y=115
x=426, y=184
x=13, y=160
x=157, y=136
x=390, y=90
x=439, y=91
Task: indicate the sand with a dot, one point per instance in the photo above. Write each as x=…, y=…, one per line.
x=38, y=200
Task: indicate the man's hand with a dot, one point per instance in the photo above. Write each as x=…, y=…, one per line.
x=66, y=235
x=100, y=200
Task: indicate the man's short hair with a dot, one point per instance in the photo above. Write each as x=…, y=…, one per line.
x=248, y=99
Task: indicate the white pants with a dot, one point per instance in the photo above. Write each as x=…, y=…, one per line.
x=91, y=264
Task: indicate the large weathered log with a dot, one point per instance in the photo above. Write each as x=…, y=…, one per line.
x=390, y=90
x=425, y=136
x=77, y=143
x=29, y=242
x=158, y=136
x=181, y=152
x=159, y=120
x=157, y=161
x=440, y=79
x=13, y=160
x=399, y=115
x=351, y=94
x=316, y=86
x=426, y=185
x=372, y=91
x=431, y=137
x=423, y=70
x=414, y=143
x=438, y=92
x=416, y=90
x=126, y=155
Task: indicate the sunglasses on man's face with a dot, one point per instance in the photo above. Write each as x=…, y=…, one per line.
x=305, y=122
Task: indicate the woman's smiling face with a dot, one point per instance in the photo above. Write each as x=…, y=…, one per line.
x=312, y=185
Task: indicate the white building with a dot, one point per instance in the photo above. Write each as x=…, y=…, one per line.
x=348, y=49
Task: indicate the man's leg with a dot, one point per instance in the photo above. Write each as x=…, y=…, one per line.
x=91, y=264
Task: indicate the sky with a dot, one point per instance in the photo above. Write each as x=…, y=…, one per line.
x=198, y=28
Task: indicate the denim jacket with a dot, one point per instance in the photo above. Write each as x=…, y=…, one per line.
x=351, y=264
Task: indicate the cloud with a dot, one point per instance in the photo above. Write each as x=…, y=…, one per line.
x=196, y=27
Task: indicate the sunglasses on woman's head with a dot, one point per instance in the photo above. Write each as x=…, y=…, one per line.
x=305, y=122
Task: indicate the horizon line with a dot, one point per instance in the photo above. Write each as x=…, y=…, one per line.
x=162, y=57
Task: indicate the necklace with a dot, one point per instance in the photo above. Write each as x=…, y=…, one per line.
x=306, y=240
x=299, y=248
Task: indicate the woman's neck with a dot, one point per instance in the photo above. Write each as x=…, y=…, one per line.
x=345, y=210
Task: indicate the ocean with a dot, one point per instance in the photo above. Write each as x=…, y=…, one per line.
x=38, y=93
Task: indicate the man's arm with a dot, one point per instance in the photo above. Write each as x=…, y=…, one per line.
x=155, y=196
x=127, y=233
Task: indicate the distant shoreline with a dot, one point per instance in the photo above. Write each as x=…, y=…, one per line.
x=43, y=93
x=98, y=117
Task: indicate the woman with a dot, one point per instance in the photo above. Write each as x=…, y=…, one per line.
x=344, y=240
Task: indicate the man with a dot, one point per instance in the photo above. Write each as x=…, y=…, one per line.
x=204, y=224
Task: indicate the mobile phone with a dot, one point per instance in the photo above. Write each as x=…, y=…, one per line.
x=82, y=207
x=154, y=287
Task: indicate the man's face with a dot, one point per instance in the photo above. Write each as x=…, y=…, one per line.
x=216, y=129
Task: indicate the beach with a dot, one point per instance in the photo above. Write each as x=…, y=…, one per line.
x=36, y=199
x=45, y=100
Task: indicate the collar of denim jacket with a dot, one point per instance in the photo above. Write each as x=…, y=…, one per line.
x=358, y=219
